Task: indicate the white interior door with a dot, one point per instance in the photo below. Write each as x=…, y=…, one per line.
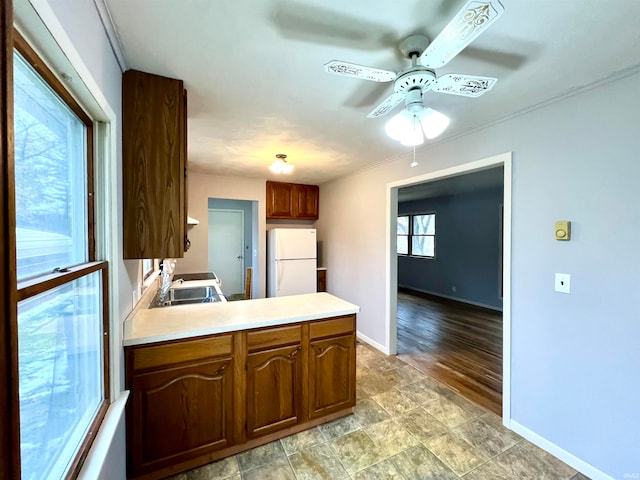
x=226, y=248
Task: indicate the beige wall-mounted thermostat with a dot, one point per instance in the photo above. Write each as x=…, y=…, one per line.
x=563, y=230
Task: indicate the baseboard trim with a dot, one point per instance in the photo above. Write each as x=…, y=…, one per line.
x=558, y=452
x=371, y=342
x=449, y=297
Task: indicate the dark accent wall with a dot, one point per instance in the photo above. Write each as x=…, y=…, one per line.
x=467, y=262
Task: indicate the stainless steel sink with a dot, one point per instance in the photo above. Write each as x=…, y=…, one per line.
x=189, y=295
x=192, y=293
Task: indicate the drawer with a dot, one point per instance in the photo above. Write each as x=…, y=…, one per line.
x=273, y=337
x=181, y=351
x=333, y=326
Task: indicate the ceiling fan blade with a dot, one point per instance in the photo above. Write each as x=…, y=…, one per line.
x=387, y=105
x=359, y=71
x=465, y=85
x=474, y=18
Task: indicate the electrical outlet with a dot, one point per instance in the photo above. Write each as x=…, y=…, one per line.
x=563, y=283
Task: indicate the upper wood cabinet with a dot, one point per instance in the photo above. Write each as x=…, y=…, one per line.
x=153, y=166
x=292, y=201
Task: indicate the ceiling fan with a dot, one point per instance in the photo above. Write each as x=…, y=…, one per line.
x=410, y=84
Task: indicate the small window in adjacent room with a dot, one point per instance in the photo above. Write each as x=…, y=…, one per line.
x=423, y=235
x=417, y=235
x=403, y=235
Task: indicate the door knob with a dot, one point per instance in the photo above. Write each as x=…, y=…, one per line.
x=239, y=257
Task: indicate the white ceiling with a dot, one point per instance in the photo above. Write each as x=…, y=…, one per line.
x=254, y=70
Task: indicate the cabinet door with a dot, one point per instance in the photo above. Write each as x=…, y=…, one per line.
x=332, y=375
x=274, y=390
x=180, y=413
x=279, y=197
x=306, y=201
x=321, y=280
x=153, y=166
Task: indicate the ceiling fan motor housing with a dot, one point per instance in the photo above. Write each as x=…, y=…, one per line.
x=414, y=78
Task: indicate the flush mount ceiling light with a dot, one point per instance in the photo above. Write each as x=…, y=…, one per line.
x=415, y=122
x=280, y=164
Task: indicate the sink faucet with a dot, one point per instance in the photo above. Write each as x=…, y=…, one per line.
x=167, y=284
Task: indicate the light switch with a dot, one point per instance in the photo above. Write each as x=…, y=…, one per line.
x=563, y=230
x=563, y=283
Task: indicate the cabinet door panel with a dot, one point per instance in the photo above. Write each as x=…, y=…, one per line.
x=180, y=413
x=279, y=198
x=274, y=390
x=153, y=166
x=332, y=373
x=306, y=201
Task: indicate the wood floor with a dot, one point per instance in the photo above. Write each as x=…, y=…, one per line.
x=460, y=345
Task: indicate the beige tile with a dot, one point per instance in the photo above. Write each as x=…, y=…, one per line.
x=418, y=463
x=554, y=466
x=270, y=472
x=355, y=451
x=420, y=392
x=374, y=384
x=580, y=476
x=361, y=394
x=490, y=470
x=420, y=424
x=385, y=363
x=447, y=412
x=368, y=412
x=485, y=437
x=394, y=402
x=390, y=438
x=385, y=470
x=298, y=441
x=466, y=405
x=454, y=452
x=220, y=470
x=402, y=375
x=340, y=427
x=317, y=463
x=269, y=454
x=523, y=462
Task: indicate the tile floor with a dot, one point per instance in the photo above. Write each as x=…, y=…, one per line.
x=405, y=426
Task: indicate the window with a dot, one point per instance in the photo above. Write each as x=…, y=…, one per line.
x=62, y=290
x=147, y=267
x=417, y=234
x=403, y=235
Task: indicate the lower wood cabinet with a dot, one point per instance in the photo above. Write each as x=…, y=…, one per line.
x=331, y=386
x=274, y=390
x=197, y=400
x=181, y=412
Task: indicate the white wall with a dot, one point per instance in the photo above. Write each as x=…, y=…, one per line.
x=575, y=358
x=201, y=188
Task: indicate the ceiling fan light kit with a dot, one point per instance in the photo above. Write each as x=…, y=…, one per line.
x=280, y=165
x=410, y=84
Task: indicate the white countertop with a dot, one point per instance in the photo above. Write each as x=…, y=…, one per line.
x=185, y=321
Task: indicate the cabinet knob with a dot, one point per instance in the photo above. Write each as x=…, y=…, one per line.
x=222, y=369
x=295, y=352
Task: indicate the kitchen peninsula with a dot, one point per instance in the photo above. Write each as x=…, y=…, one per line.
x=211, y=380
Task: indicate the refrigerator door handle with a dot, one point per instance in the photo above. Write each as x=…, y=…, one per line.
x=279, y=278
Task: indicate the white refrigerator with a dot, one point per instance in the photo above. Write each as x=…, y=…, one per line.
x=291, y=261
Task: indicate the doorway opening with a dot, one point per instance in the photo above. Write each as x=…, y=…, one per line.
x=449, y=306
x=233, y=244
